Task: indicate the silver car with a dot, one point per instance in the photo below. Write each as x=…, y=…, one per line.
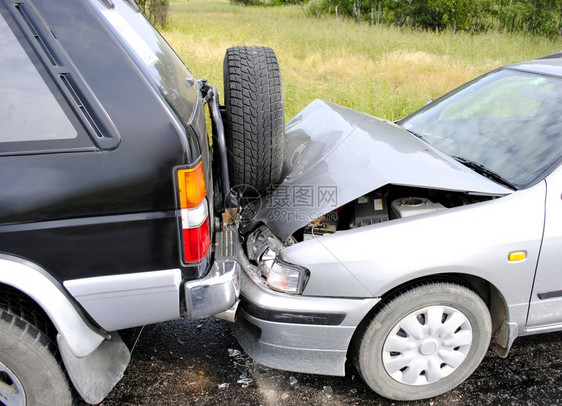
x=411, y=247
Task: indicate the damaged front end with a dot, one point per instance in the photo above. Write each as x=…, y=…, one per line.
x=263, y=248
x=360, y=202
x=345, y=171
x=336, y=155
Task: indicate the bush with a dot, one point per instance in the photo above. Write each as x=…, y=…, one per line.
x=537, y=17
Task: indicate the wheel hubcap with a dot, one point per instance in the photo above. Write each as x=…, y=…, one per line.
x=427, y=345
x=11, y=389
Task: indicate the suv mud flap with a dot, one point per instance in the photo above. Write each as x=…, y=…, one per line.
x=219, y=290
x=96, y=374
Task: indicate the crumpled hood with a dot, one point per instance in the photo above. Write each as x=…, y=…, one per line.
x=335, y=155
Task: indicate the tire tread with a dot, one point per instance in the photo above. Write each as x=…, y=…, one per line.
x=255, y=116
x=22, y=319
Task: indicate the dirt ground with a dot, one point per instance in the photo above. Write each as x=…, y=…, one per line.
x=186, y=362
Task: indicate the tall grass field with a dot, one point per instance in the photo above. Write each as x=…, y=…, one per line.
x=379, y=70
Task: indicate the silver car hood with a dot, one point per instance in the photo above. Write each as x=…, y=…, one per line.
x=335, y=155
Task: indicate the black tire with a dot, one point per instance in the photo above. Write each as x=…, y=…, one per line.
x=413, y=362
x=254, y=120
x=29, y=371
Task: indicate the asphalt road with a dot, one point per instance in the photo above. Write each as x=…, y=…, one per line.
x=199, y=363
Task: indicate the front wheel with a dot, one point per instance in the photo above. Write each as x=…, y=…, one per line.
x=424, y=341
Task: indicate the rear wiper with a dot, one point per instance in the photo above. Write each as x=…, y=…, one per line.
x=482, y=170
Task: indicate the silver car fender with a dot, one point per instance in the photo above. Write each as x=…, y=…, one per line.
x=471, y=240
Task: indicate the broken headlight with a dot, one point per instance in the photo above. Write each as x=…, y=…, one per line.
x=280, y=275
x=263, y=248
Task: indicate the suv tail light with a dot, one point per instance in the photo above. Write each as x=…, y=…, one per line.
x=195, y=234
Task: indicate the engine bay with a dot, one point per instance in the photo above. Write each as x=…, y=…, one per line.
x=385, y=204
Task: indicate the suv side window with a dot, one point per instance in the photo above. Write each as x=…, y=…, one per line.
x=28, y=109
x=43, y=107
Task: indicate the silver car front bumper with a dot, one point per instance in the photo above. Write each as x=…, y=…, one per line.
x=297, y=333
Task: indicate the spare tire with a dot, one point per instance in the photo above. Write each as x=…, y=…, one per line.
x=254, y=119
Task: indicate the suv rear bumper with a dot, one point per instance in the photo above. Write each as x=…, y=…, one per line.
x=219, y=290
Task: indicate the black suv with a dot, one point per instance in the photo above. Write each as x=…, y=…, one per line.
x=117, y=208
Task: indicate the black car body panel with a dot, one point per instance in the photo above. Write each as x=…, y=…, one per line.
x=107, y=206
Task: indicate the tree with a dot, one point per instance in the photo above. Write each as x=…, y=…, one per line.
x=155, y=10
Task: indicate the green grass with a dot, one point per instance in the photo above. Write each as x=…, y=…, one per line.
x=383, y=71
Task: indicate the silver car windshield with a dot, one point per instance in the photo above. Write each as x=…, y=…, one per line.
x=507, y=124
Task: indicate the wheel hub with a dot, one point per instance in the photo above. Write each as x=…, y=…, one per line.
x=11, y=389
x=427, y=345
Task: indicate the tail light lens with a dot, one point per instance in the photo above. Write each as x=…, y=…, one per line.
x=196, y=242
x=191, y=185
x=195, y=235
